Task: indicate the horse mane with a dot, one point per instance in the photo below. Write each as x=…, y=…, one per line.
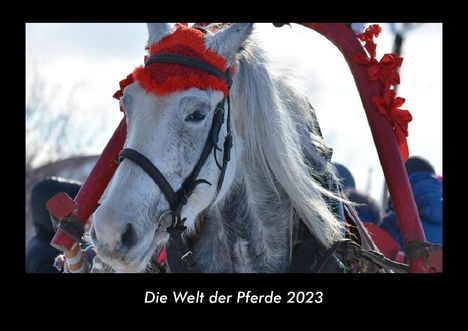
x=281, y=141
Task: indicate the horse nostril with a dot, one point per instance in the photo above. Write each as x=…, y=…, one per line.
x=129, y=237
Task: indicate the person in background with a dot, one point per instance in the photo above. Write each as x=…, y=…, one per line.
x=427, y=192
x=346, y=178
x=367, y=208
x=370, y=214
x=39, y=253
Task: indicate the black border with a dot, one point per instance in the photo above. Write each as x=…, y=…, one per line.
x=394, y=294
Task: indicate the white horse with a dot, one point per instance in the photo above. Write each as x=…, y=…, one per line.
x=271, y=181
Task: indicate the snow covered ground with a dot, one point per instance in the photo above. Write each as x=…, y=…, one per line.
x=90, y=59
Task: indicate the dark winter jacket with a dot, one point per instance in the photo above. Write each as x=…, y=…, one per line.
x=427, y=191
x=368, y=209
x=40, y=254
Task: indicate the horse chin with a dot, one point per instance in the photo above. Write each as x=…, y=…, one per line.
x=128, y=268
x=138, y=261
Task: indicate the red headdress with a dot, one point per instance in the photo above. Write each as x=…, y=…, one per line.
x=165, y=78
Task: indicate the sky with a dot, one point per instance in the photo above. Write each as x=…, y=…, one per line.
x=81, y=65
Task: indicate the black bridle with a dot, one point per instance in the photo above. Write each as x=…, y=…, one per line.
x=178, y=199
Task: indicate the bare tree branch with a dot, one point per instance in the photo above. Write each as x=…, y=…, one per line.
x=51, y=131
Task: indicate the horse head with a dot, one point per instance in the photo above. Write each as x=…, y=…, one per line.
x=177, y=124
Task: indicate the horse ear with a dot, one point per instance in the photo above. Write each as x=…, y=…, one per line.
x=227, y=43
x=157, y=31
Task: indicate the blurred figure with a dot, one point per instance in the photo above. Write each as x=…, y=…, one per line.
x=347, y=179
x=40, y=254
x=400, y=30
x=427, y=191
x=368, y=209
x=370, y=214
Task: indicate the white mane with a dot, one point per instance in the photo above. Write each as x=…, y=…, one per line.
x=272, y=116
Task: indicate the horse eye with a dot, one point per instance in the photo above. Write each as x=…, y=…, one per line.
x=195, y=117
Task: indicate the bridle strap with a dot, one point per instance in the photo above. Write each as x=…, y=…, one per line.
x=189, y=62
x=151, y=170
x=178, y=199
x=227, y=147
x=218, y=118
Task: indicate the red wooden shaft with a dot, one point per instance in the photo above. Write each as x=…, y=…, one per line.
x=387, y=147
x=97, y=181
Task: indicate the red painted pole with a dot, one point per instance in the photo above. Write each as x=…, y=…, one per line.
x=94, y=186
x=387, y=147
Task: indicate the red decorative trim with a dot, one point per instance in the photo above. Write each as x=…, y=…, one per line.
x=368, y=37
x=188, y=40
x=162, y=257
x=386, y=72
x=163, y=78
x=389, y=106
x=123, y=84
